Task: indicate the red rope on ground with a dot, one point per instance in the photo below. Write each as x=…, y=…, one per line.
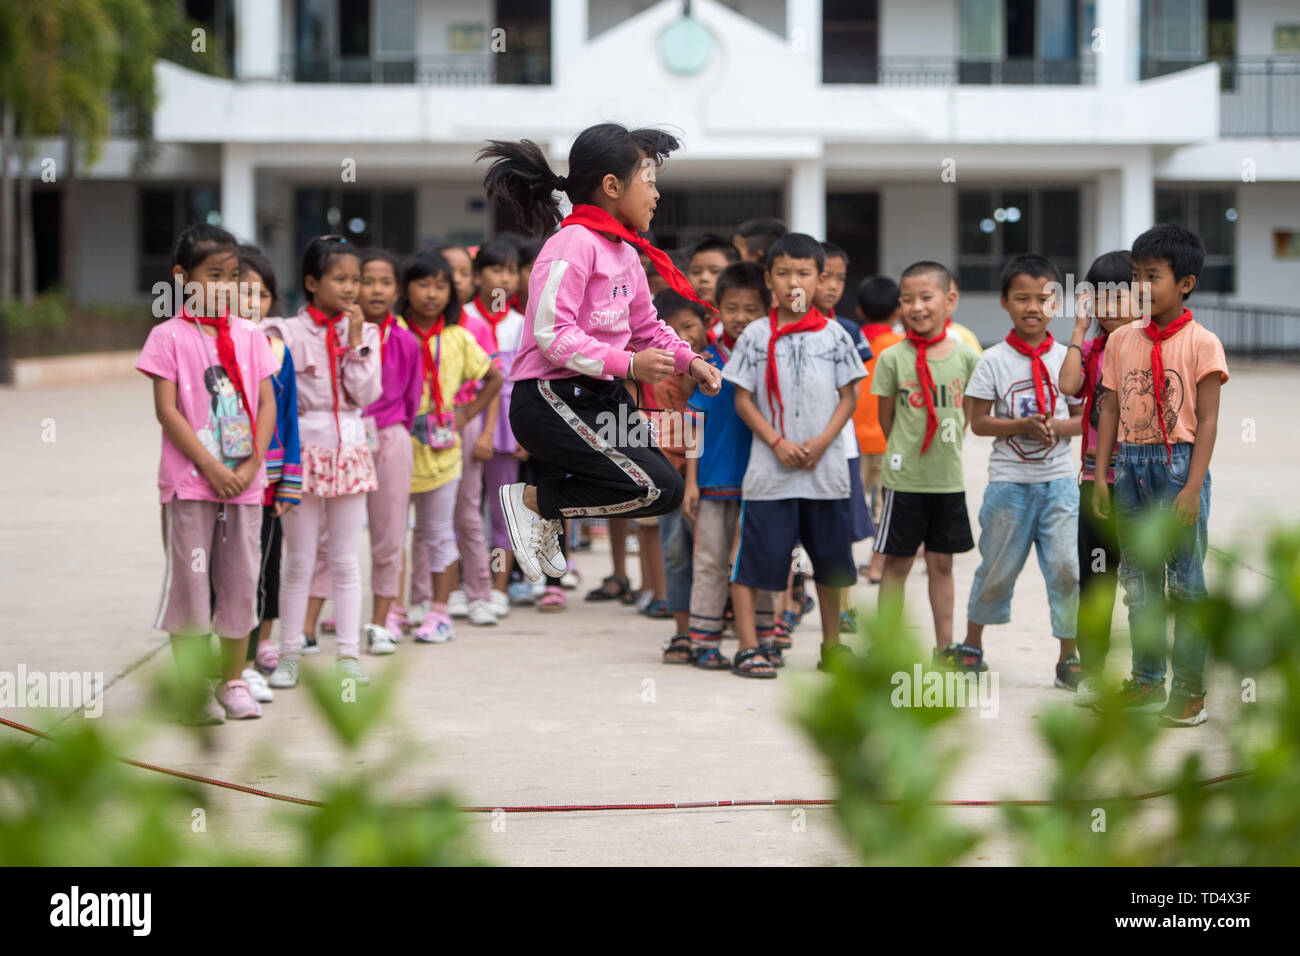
x=699, y=805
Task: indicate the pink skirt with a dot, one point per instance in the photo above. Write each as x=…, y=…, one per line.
x=335, y=472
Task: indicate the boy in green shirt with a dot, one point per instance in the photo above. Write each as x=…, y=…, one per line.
x=925, y=375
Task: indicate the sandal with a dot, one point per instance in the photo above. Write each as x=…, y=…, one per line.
x=773, y=655
x=711, y=659
x=622, y=587
x=658, y=610
x=752, y=662
x=552, y=599
x=679, y=650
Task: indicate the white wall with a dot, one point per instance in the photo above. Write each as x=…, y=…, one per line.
x=1261, y=208
x=1255, y=20
x=108, y=240
x=911, y=28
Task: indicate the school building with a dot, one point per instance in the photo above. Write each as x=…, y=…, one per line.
x=958, y=130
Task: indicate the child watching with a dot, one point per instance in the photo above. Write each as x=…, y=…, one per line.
x=754, y=238
x=1031, y=498
x=714, y=479
x=877, y=309
x=708, y=257
x=1162, y=379
x=1109, y=302
x=923, y=381
x=796, y=381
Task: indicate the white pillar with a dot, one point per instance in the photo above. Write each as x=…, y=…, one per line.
x=803, y=28
x=568, y=36
x=1120, y=24
x=257, y=39
x=1126, y=203
x=238, y=199
x=808, y=198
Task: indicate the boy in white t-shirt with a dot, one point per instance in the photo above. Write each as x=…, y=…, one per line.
x=1031, y=498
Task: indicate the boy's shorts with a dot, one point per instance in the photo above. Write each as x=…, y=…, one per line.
x=859, y=513
x=770, y=531
x=909, y=519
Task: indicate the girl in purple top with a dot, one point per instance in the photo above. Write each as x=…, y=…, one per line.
x=589, y=324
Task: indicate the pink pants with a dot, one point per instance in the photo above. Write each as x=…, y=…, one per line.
x=469, y=518
x=503, y=469
x=303, y=526
x=212, y=548
x=433, y=547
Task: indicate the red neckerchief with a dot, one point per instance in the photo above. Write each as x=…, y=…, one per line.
x=598, y=220
x=873, y=329
x=1091, y=376
x=335, y=349
x=493, y=319
x=724, y=344
x=514, y=303
x=229, y=361
x=926, y=381
x=385, y=329
x=1158, y=335
x=1037, y=369
x=430, y=362
x=814, y=321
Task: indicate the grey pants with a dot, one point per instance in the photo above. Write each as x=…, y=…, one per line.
x=715, y=546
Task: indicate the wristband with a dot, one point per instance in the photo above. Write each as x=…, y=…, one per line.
x=1074, y=345
x=774, y=442
x=630, y=359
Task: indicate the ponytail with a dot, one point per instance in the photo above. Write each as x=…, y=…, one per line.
x=521, y=177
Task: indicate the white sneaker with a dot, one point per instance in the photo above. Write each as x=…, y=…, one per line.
x=347, y=667
x=499, y=602
x=458, y=604
x=539, y=589
x=570, y=581
x=285, y=674
x=480, y=614
x=550, y=556
x=1089, y=691
x=416, y=613
x=257, y=685
x=526, y=528
x=379, y=640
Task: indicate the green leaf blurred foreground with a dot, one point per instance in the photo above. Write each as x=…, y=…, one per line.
x=890, y=762
x=69, y=801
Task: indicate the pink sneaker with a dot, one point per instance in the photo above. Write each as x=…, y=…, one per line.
x=268, y=657
x=237, y=700
x=394, y=623
x=552, y=600
x=435, y=630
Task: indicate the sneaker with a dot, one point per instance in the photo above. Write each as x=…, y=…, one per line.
x=435, y=631
x=526, y=529
x=1088, y=692
x=480, y=614
x=458, y=604
x=968, y=659
x=499, y=603
x=268, y=657
x=416, y=613
x=551, y=557
x=1069, y=673
x=286, y=674
x=1184, y=710
x=309, y=645
x=553, y=600
x=537, y=588
x=347, y=667
x=520, y=592
x=207, y=714
x=571, y=580
x=1134, y=697
x=257, y=685
x=237, y=701
x=394, y=621
x=379, y=640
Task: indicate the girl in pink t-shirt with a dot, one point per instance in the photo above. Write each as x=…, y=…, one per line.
x=336, y=354
x=589, y=325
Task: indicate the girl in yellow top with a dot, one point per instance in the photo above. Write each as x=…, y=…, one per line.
x=451, y=358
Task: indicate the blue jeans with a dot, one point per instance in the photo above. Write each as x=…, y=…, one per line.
x=677, y=537
x=1146, y=481
x=1014, y=517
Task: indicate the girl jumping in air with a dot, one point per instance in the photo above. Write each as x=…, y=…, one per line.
x=589, y=325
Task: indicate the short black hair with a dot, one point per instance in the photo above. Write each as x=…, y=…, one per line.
x=253, y=259
x=759, y=234
x=1175, y=244
x=375, y=254
x=796, y=245
x=925, y=267
x=668, y=303
x=878, y=297
x=496, y=252
x=1029, y=264
x=832, y=251
x=710, y=242
x=318, y=255
x=740, y=276
x=196, y=243
x=528, y=252
x=1111, y=267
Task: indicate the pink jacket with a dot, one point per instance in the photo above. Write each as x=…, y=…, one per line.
x=588, y=304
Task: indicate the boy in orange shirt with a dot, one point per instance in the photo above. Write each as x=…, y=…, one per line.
x=877, y=310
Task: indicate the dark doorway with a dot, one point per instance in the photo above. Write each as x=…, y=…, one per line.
x=853, y=224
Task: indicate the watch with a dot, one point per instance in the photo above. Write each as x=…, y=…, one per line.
x=363, y=350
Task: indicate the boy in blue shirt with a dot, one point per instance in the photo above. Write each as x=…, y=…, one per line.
x=714, y=477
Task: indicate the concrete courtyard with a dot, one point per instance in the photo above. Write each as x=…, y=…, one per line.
x=570, y=708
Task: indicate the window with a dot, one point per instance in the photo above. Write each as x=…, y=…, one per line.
x=1023, y=41
x=853, y=224
x=217, y=17
x=163, y=214
x=683, y=215
x=850, y=41
x=1212, y=215
x=995, y=224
